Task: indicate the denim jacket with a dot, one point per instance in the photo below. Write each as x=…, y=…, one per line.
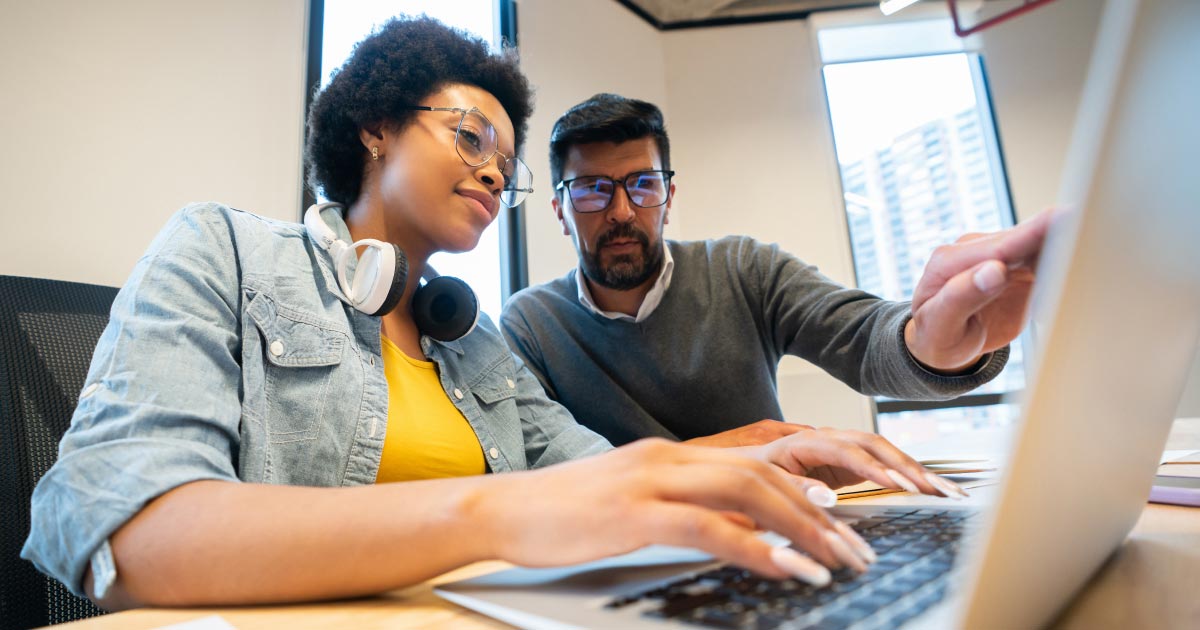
x=231, y=354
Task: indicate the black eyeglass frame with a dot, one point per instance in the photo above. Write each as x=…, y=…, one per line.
x=667, y=175
x=457, y=149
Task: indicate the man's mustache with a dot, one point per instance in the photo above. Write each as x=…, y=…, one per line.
x=623, y=231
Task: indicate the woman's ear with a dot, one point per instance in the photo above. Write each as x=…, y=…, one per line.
x=371, y=139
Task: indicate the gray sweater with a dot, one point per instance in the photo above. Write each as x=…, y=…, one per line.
x=705, y=360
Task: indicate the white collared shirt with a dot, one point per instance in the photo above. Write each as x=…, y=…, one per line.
x=651, y=302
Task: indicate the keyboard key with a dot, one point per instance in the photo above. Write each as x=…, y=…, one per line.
x=916, y=549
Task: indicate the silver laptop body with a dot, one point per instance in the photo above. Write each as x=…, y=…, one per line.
x=1118, y=323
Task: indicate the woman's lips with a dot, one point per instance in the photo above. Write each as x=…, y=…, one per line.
x=479, y=206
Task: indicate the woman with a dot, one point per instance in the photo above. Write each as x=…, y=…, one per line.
x=247, y=397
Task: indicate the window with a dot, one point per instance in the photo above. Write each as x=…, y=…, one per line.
x=920, y=166
x=495, y=268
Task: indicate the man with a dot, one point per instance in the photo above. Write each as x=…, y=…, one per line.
x=682, y=340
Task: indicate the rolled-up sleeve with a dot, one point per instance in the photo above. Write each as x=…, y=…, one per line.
x=161, y=404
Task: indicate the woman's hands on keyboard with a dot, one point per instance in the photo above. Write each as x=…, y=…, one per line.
x=659, y=492
x=841, y=458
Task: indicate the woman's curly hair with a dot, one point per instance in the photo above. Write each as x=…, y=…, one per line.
x=401, y=63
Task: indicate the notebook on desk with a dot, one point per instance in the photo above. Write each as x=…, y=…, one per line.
x=1118, y=319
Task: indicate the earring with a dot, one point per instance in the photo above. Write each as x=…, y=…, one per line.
x=374, y=154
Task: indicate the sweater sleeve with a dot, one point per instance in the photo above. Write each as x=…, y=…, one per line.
x=855, y=336
x=518, y=334
x=551, y=433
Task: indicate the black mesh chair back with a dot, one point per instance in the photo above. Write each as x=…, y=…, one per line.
x=48, y=331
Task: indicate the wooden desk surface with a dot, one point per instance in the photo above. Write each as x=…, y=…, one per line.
x=1151, y=582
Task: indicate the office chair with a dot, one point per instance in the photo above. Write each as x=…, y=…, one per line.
x=48, y=331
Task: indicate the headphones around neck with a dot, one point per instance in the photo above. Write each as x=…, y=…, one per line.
x=444, y=308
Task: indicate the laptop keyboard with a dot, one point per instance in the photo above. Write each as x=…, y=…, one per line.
x=916, y=550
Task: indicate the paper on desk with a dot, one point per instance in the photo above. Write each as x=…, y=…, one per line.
x=968, y=473
x=1179, y=457
x=1180, y=464
x=211, y=622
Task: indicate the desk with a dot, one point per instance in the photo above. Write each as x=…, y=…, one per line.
x=1151, y=582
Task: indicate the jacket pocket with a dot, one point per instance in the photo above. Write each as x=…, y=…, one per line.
x=302, y=357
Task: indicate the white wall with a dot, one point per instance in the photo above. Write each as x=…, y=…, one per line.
x=1036, y=66
x=572, y=49
x=114, y=114
x=752, y=144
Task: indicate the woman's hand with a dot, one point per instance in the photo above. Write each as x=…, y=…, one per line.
x=842, y=458
x=658, y=492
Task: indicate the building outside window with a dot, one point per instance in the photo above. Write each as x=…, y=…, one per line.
x=920, y=166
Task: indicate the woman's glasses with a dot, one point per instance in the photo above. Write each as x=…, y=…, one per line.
x=476, y=143
x=593, y=193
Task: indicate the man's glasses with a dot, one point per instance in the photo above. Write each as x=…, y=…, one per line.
x=593, y=193
x=476, y=143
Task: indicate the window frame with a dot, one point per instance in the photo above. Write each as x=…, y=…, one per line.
x=514, y=254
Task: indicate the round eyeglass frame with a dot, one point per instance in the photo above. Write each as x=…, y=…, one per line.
x=511, y=197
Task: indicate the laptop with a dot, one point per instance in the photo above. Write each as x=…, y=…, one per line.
x=1117, y=321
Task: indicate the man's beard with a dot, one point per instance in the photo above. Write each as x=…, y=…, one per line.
x=624, y=271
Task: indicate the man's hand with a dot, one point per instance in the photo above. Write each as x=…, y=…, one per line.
x=760, y=432
x=974, y=296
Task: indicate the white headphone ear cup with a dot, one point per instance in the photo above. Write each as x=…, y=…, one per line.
x=379, y=276
x=399, y=278
x=386, y=271
x=366, y=276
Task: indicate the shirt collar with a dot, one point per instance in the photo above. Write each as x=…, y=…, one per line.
x=651, y=302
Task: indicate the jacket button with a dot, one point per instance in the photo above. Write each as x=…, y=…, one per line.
x=458, y=393
x=277, y=347
x=495, y=453
x=511, y=384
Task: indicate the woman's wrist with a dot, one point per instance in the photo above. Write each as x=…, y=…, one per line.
x=483, y=515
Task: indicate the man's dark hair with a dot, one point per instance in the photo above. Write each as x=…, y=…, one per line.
x=400, y=64
x=606, y=118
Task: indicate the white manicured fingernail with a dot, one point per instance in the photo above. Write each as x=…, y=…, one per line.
x=797, y=565
x=821, y=496
x=902, y=481
x=940, y=484
x=988, y=278
x=842, y=550
x=948, y=488
x=864, y=550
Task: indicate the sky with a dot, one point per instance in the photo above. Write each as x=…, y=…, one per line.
x=872, y=102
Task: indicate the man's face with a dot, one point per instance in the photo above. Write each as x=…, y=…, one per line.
x=621, y=246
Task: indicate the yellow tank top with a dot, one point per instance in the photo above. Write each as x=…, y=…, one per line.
x=427, y=436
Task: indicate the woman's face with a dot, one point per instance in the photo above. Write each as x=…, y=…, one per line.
x=432, y=200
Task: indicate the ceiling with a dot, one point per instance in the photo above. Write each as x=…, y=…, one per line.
x=676, y=14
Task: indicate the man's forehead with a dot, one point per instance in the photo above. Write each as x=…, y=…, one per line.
x=612, y=158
